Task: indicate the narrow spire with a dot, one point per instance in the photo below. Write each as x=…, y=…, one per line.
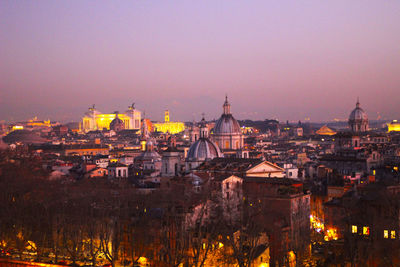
x=358, y=102
x=226, y=106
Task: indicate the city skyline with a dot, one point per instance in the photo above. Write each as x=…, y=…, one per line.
x=274, y=60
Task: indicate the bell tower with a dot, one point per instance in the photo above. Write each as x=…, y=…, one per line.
x=166, y=116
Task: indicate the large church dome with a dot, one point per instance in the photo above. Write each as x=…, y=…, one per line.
x=358, y=114
x=227, y=124
x=358, y=119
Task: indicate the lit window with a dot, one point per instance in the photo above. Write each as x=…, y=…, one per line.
x=365, y=230
x=385, y=234
x=393, y=234
x=354, y=229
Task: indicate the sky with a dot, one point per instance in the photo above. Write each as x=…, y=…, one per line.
x=288, y=60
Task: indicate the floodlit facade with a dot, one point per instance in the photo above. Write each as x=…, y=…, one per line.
x=393, y=126
x=95, y=120
x=169, y=126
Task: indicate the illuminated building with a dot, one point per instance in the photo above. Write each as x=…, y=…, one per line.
x=35, y=122
x=95, y=120
x=325, y=130
x=169, y=126
x=32, y=124
x=358, y=119
x=227, y=132
x=393, y=126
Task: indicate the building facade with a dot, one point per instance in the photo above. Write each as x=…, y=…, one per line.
x=168, y=126
x=95, y=120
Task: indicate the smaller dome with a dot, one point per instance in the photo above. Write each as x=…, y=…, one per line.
x=117, y=124
x=150, y=156
x=203, y=149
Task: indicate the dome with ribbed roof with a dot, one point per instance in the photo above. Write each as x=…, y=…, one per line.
x=204, y=148
x=227, y=124
x=358, y=114
x=227, y=132
x=358, y=119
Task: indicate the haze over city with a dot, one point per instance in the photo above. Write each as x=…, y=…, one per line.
x=274, y=59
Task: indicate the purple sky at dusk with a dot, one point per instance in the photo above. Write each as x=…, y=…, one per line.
x=275, y=59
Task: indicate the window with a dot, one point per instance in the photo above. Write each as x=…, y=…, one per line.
x=393, y=234
x=227, y=195
x=227, y=185
x=226, y=144
x=365, y=230
x=354, y=229
x=385, y=234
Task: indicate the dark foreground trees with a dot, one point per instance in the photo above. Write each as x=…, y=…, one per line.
x=101, y=221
